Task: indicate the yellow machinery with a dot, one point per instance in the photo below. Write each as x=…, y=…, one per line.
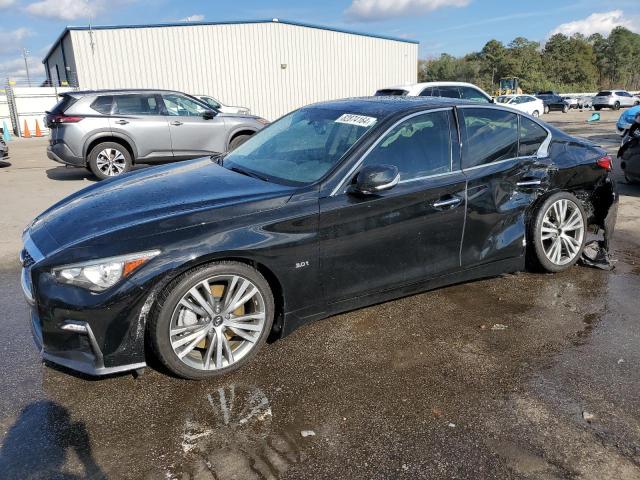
x=509, y=86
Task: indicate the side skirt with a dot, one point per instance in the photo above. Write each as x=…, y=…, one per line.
x=293, y=320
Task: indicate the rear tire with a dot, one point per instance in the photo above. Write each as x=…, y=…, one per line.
x=237, y=141
x=546, y=109
x=597, y=109
x=109, y=159
x=535, y=114
x=554, y=243
x=565, y=109
x=186, y=360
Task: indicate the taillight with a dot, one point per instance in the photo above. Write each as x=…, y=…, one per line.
x=61, y=118
x=605, y=162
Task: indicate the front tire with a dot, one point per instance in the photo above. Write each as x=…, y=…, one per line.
x=237, y=141
x=546, y=109
x=597, y=109
x=558, y=233
x=535, y=114
x=616, y=106
x=212, y=320
x=565, y=109
x=109, y=159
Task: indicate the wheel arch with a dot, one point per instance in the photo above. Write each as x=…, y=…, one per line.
x=110, y=137
x=242, y=130
x=272, y=280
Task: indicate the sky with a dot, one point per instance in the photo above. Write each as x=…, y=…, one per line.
x=441, y=26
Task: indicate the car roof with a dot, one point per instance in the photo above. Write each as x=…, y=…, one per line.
x=432, y=84
x=383, y=106
x=120, y=90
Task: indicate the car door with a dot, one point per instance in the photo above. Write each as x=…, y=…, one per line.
x=405, y=234
x=138, y=117
x=196, y=130
x=501, y=182
x=626, y=99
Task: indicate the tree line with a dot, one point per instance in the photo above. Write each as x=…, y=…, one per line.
x=564, y=64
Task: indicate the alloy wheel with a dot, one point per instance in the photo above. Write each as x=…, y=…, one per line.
x=217, y=322
x=562, y=232
x=111, y=162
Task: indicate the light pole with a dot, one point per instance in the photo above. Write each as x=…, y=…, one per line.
x=25, y=54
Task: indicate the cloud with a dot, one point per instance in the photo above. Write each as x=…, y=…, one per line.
x=73, y=9
x=598, y=23
x=12, y=39
x=15, y=69
x=66, y=9
x=372, y=10
x=193, y=18
x=6, y=3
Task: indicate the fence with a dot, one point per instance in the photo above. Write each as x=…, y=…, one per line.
x=23, y=106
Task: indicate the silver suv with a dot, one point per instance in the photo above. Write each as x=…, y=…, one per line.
x=108, y=131
x=614, y=99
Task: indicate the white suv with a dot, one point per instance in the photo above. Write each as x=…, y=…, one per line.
x=465, y=91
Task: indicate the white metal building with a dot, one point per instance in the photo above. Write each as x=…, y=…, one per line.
x=270, y=66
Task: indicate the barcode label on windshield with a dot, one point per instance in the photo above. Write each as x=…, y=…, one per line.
x=359, y=120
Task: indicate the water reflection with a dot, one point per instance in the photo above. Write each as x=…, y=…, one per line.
x=230, y=435
x=39, y=443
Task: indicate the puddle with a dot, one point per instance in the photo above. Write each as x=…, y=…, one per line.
x=229, y=434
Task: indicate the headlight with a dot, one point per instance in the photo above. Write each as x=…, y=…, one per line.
x=98, y=275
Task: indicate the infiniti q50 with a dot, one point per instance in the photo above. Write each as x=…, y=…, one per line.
x=333, y=207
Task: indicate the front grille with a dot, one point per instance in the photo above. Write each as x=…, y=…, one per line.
x=26, y=258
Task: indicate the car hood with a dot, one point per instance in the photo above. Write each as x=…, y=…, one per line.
x=152, y=201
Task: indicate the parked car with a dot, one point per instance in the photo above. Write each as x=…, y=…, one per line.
x=573, y=102
x=460, y=90
x=221, y=107
x=335, y=206
x=585, y=102
x=626, y=119
x=553, y=101
x=614, y=99
x=4, y=149
x=109, y=131
x=525, y=103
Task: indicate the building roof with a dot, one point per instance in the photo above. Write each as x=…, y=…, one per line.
x=236, y=22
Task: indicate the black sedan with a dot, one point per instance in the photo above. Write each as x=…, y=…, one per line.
x=553, y=102
x=333, y=207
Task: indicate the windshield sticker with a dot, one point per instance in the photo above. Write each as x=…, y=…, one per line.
x=359, y=120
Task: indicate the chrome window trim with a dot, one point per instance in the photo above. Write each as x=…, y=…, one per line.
x=355, y=167
x=435, y=175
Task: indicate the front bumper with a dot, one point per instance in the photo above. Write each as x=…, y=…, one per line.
x=75, y=329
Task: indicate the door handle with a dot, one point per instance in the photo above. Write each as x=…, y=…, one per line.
x=450, y=202
x=529, y=183
x=177, y=123
x=122, y=122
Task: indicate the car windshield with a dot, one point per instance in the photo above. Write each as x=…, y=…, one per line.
x=301, y=147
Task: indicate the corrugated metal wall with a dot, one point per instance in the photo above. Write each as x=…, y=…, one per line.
x=241, y=64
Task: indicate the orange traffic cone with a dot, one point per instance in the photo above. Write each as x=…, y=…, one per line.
x=38, y=131
x=26, y=133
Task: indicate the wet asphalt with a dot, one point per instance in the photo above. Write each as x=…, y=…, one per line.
x=525, y=376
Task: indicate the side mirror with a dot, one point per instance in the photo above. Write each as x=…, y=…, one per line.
x=208, y=114
x=374, y=179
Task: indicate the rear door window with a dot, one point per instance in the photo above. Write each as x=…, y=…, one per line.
x=488, y=135
x=532, y=136
x=394, y=92
x=469, y=93
x=427, y=92
x=103, y=104
x=448, y=92
x=136, y=104
x=603, y=94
